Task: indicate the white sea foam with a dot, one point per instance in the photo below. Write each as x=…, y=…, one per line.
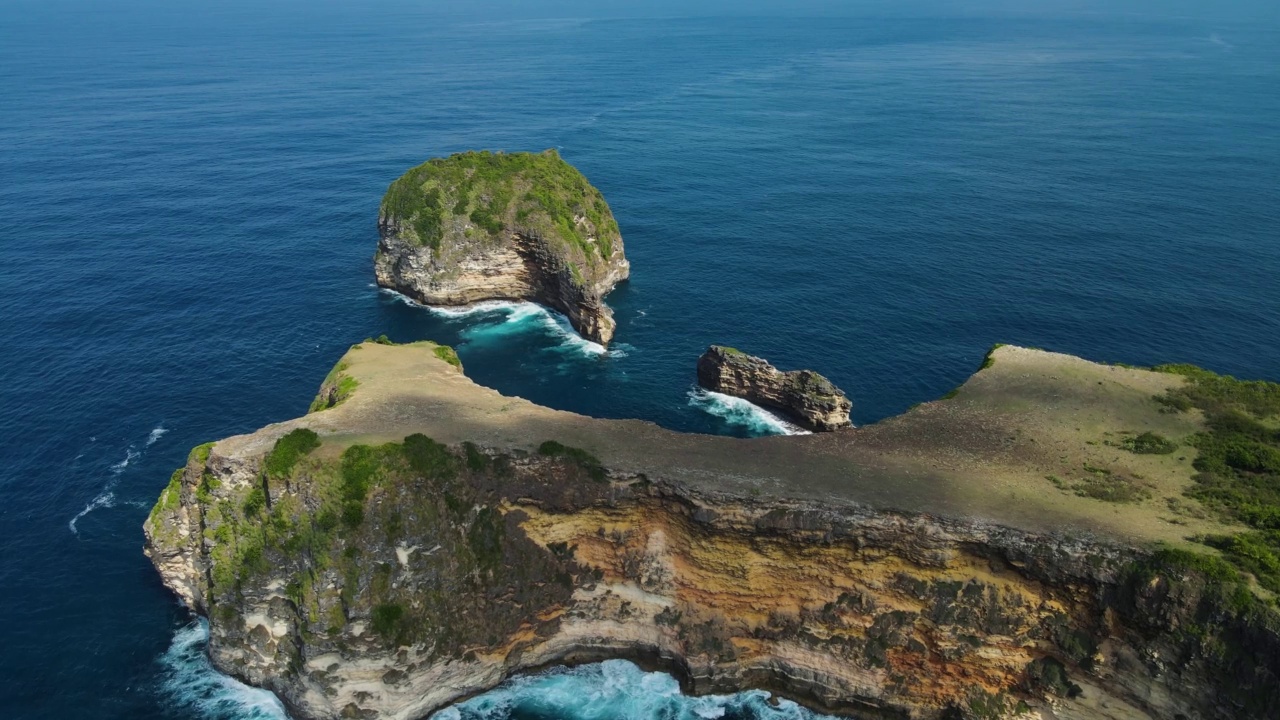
x=201, y=691
x=614, y=690
x=106, y=497
x=737, y=411
x=506, y=317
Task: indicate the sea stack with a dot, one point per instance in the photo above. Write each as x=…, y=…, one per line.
x=502, y=226
x=803, y=395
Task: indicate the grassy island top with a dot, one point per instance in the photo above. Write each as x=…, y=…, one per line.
x=483, y=196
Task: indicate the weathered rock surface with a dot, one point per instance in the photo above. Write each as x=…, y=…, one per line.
x=486, y=226
x=388, y=580
x=457, y=577
x=804, y=395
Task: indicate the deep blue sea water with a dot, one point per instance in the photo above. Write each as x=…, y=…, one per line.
x=187, y=213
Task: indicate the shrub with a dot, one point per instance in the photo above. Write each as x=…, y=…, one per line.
x=386, y=620
x=254, y=502
x=477, y=461
x=360, y=464
x=428, y=458
x=1149, y=443
x=581, y=458
x=447, y=354
x=289, y=449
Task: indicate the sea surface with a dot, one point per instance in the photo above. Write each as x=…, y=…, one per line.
x=188, y=197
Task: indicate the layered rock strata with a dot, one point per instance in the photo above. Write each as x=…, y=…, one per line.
x=470, y=566
x=803, y=395
x=357, y=576
x=494, y=226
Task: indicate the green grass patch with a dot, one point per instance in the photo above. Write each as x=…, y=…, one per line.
x=990, y=358
x=1238, y=463
x=200, y=453
x=335, y=389
x=448, y=354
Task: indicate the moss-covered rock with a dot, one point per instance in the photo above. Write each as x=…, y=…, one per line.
x=513, y=226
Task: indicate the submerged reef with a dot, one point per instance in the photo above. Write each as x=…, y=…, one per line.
x=502, y=226
x=417, y=539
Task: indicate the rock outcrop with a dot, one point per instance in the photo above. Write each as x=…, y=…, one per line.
x=386, y=580
x=803, y=395
x=493, y=226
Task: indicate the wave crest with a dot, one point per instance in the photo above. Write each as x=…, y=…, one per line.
x=616, y=690
x=742, y=413
x=196, y=687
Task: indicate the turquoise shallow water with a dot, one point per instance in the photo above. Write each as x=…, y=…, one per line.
x=187, y=225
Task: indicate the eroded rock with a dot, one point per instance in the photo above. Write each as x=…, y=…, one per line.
x=804, y=395
x=493, y=226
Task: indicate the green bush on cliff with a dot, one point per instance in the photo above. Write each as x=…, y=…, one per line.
x=1238, y=465
x=534, y=193
x=200, y=453
x=289, y=449
x=447, y=354
x=582, y=458
x=386, y=620
x=429, y=458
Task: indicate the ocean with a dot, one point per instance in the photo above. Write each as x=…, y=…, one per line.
x=187, y=224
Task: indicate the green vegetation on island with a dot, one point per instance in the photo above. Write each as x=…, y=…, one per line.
x=492, y=193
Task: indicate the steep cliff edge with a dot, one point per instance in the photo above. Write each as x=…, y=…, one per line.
x=803, y=395
x=360, y=568
x=496, y=226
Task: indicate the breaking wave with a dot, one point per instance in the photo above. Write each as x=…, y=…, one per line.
x=493, y=320
x=106, y=497
x=196, y=687
x=742, y=413
x=616, y=690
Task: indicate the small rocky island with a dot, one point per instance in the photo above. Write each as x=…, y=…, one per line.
x=1032, y=546
x=803, y=395
x=502, y=226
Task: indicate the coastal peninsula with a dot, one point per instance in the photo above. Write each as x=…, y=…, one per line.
x=1019, y=549
x=502, y=226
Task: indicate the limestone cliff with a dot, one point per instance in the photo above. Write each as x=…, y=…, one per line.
x=360, y=568
x=803, y=395
x=494, y=226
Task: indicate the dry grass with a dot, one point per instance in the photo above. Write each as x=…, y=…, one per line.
x=984, y=454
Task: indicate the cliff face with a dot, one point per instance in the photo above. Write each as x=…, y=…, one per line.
x=849, y=570
x=804, y=395
x=483, y=226
x=457, y=567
